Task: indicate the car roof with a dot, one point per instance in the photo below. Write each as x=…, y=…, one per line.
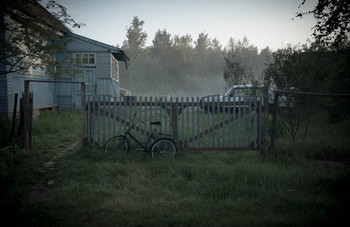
x=234, y=87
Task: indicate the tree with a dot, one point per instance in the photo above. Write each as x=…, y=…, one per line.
x=234, y=72
x=135, y=47
x=184, y=49
x=286, y=72
x=333, y=22
x=162, y=48
x=162, y=40
x=200, y=56
x=307, y=70
x=202, y=44
x=29, y=41
x=240, y=59
x=136, y=38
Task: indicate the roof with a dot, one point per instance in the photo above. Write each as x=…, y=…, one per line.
x=115, y=51
x=33, y=9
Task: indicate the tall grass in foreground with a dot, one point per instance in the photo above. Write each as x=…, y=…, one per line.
x=51, y=132
x=94, y=188
x=325, y=140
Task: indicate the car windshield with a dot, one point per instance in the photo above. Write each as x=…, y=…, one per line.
x=238, y=90
x=241, y=90
x=229, y=91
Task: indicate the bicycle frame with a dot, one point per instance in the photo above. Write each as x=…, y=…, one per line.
x=159, y=146
x=143, y=146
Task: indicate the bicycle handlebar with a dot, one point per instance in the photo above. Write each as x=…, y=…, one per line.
x=133, y=119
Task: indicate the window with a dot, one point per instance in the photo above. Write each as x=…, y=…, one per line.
x=85, y=59
x=115, y=69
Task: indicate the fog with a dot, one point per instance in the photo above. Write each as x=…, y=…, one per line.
x=179, y=66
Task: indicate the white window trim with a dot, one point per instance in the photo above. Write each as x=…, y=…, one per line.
x=81, y=59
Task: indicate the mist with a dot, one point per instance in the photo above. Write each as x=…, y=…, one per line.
x=180, y=66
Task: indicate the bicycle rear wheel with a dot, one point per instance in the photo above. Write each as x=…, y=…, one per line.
x=117, y=144
x=163, y=148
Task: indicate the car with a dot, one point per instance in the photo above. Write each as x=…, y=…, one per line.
x=236, y=98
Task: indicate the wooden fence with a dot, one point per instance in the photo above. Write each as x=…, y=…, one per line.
x=230, y=125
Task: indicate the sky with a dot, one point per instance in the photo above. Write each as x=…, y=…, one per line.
x=266, y=23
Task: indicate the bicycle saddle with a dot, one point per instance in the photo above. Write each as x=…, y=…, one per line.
x=155, y=123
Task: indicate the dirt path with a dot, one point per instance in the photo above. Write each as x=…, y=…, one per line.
x=42, y=188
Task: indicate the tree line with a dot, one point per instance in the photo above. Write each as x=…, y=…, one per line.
x=184, y=66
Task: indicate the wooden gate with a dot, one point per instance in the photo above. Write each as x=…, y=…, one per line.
x=226, y=125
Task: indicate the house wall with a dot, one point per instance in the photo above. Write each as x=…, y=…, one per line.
x=4, y=96
x=67, y=95
x=98, y=77
x=10, y=84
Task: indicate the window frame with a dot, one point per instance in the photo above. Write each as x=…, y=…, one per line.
x=79, y=61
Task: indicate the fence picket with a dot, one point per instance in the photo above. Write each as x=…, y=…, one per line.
x=260, y=122
x=194, y=123
x=255, y=122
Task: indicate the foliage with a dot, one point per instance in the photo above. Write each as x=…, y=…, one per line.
x=182, y=65
x=238, y=70
x=234, y=72
x=136, y=38
x=333, y=22
x=29, y=42
x=308, y=70
x=60, y=12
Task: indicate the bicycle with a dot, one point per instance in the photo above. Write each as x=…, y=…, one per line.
x=162, y=147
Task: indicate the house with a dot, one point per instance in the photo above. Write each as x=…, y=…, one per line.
x=98, y=65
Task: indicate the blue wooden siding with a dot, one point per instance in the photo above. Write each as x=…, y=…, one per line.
x=99, y=77
x=4, y=94
x=63, y=92
x=12, y=83
x=102, y=82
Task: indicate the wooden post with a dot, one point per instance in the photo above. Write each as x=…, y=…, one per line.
x=30, y=120
x=21, y=116
x=258, y=139
x=26, y=115
x=273, y=130
x=14, y=115
x=266, y=122
x=83, y=131
x=174, y=121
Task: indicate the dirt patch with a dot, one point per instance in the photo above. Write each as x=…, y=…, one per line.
x=42, y=188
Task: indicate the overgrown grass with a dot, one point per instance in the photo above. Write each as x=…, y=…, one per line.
x=325, y=140
x=94, y=188
x=51, y=132
x=19, y=168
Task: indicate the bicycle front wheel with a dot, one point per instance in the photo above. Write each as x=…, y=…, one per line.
x=163, y=148
x=117, y=144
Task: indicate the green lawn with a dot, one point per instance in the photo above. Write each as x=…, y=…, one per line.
x=202, y=189
x=325, y=140
x=217, y=188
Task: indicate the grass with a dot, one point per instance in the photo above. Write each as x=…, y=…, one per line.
x=201, y=189
x=51, y=133
x=325, y=140
x=94, y=188
x=19, y=168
